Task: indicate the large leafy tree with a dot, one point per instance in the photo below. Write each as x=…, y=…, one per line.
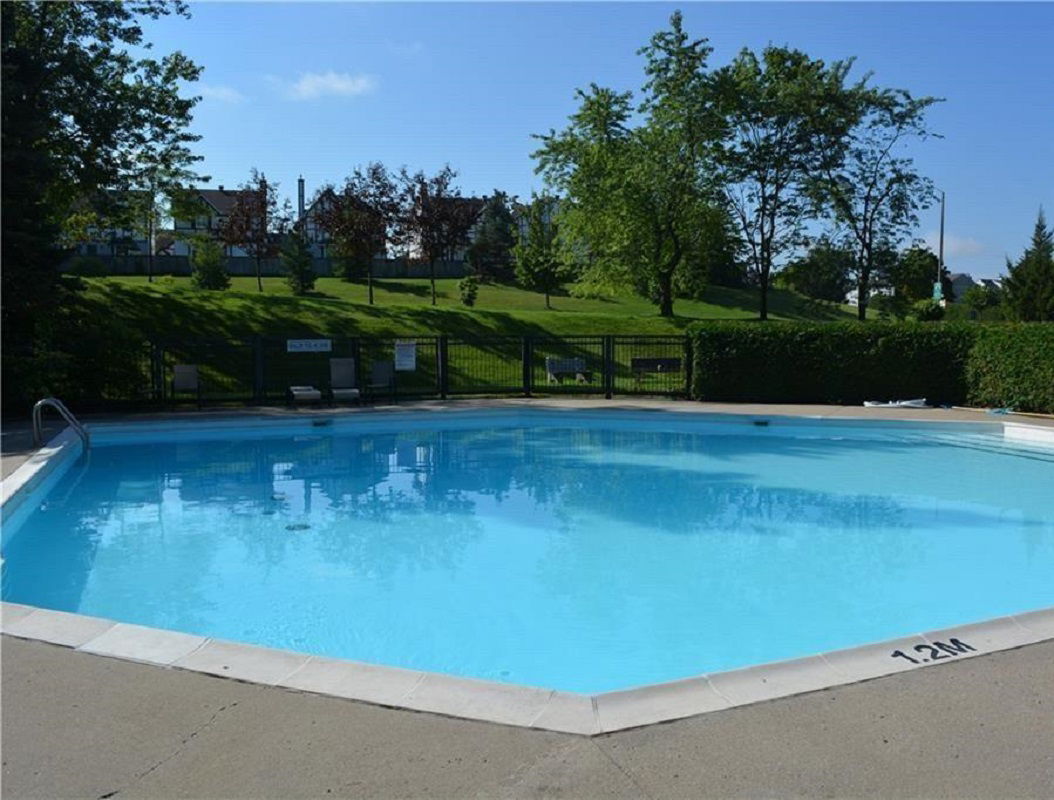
x=491, y=250
x=787, y=117
x=436, y=219
x=537, y=256
x=362, y=217
x=822, y=274
x=84, y=108
x=868, y=182
x=256, y=222
x=637, y=194
x=1029, y=284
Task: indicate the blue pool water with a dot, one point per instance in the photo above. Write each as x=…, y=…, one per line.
x=583, y=552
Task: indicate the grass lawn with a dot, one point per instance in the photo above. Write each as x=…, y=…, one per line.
x=172, y=308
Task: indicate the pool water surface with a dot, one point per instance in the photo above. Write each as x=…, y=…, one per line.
x=577, y=552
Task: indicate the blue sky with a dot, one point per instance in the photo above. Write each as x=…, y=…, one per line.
x=317, y=88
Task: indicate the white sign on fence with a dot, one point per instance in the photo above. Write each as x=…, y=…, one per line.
x=308, y=345
x=406, y=356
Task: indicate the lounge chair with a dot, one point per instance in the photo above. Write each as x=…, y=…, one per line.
x=185, y=379
x=382, y=378
x=342, y=381
x=304, y=394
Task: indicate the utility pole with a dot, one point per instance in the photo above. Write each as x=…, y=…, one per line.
x=938, y=289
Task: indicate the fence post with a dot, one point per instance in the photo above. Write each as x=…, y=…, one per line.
x=442, y=366
x=157, y=372
x=687, y=367
x=528, y=363
x=360, y=374
x=258, y=369
x=609, y=363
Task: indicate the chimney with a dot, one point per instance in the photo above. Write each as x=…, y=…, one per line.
x=300, y=197
x=221, y=187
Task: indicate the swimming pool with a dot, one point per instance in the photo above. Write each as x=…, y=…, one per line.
x=578, y=551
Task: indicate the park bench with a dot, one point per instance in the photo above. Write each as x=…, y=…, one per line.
x=556, y=369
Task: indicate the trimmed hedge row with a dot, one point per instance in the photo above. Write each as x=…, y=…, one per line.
x=1012, y=366
x=848, y=363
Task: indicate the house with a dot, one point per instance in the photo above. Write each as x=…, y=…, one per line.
x=310, y=220
x=852, y=298
x=213, y=207
x=106, y=236
x=961, y=282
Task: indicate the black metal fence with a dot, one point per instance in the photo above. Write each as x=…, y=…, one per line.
x=262, y=369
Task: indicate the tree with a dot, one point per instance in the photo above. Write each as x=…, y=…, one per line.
x=823, y=273
x=979, y=301
x=537, y=252
x=717, y=260
x=874, y=190
x=436, y=219
x=636, y=196
x=82, y=101
x=362, y=218
x=298, y=263
x=786, y=120
x=1029, y=284
x=911, y=274
x=156, y=190
x=468, y=288
x=206, y=262
x=255, y=222
x=491, y=251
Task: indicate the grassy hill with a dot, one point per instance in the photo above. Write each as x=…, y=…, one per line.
x=171, y=308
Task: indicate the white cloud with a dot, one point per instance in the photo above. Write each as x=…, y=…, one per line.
x=312, y=85
x=955, y=246
x=224, y=94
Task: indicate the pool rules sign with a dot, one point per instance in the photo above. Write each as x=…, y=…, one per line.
x=405, y=356
x=309, y=345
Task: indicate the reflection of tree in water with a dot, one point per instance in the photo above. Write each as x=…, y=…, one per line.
x=110, y=516
x=385, y=500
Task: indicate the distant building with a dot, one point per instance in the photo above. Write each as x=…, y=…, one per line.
x=110, y=240
x=960, y=282
x=309, y=219
x=214, y=207
x=852, y=297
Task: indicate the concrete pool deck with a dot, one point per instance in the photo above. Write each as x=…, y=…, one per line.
x=829, y=412
x=80, y=725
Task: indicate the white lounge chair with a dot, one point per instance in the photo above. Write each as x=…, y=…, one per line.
x=304, y=394
x=342, y=381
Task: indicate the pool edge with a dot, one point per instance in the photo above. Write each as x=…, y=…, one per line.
x=512, y=704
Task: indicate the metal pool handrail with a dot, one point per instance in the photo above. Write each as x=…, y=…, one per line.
x=65, y=413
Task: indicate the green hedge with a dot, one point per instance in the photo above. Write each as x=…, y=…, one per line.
x=1012, y=365
x=847, y=363
x=842, y=363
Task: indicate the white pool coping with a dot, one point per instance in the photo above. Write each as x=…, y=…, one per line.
x=507, y=704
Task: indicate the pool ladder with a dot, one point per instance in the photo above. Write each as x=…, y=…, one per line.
x=65, y=413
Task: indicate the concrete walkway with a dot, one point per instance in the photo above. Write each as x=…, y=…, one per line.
x=78, y=725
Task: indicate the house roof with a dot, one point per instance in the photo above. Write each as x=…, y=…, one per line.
x=221, y=199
